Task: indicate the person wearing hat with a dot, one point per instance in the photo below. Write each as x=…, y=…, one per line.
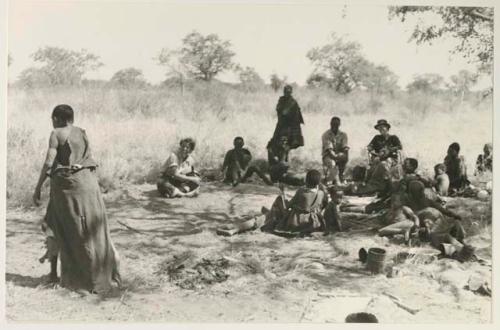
x=334, y=152
x=289, y=119
x=384, y=145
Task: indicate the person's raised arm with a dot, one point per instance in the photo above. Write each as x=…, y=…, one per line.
x=49, y=160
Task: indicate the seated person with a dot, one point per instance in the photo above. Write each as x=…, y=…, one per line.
x=378, y=182
x=410, y=166
x=456, y=170
x=384, y=145
x=303, y=213
x=335, y=152
x=441, y=180
x=236, y=167
x=484, y=162
x=177, y=177
x=277, y=155
x=332, y=218
x=400, y=218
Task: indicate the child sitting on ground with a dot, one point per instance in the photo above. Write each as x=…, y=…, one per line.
x=441, y=180
x=332, y=218
x=52, y=250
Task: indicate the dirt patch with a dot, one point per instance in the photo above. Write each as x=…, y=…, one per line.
x=187, y=273
x=252, y=277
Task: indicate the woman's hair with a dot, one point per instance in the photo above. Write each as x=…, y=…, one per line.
x=455, y=146
x=313, y=178
x=64, y=113
x=238, y=138
x=189, y=141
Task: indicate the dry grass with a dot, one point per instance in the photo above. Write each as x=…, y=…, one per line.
x=132, y=131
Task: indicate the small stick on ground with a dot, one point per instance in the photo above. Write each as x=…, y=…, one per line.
x=130, y=228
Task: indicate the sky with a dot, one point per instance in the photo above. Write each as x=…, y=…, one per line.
x=272, y=38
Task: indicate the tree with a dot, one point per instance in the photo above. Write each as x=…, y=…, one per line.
x=426, y=83
x=61, y=66
x=33, y=77
x=204, y=57
x=276, y=82
x=177, y=70
x=128, y=78
x=472, y=27
x=318, y=80
x=379, y=79
x=250, y=79
x=340, y=62
x=462, y=82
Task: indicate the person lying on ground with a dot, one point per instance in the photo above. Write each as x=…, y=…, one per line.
x=237, y=167
x=400, y=219
x=178, y=177
x=484, y=162
x=440, y=225
x=335, y=153
x=444, y=234
x=279, y=168
x=441, y=180
x=456, y=170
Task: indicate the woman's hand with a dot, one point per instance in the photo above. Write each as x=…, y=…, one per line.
x=36, y=196
x=196, y=179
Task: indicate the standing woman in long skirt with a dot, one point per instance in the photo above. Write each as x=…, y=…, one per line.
x=76, y=212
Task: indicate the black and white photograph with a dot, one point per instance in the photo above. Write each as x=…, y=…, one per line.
x=249, y=162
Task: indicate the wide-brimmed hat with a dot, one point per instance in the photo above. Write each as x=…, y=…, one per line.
x=382, y=122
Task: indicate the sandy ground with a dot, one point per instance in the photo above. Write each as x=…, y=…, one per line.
x=271, y=278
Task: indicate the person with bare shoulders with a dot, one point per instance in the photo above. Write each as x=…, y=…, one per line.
x=76, y=214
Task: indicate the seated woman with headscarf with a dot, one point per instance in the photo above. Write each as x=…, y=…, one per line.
x=303, y=213
x=178, y=177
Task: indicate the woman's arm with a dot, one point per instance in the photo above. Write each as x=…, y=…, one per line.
x=49, y=160
x=186, y=178
x=411, y=215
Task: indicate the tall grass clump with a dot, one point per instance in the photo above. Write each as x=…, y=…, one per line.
x=132, y=131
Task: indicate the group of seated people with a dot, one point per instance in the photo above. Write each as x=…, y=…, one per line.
x=411, y=202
